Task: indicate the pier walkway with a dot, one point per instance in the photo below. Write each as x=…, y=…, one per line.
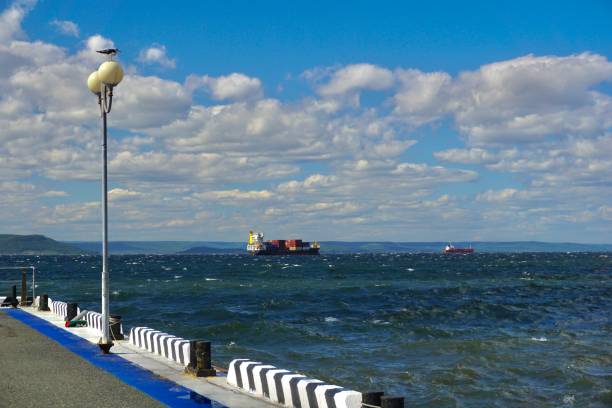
x=35, y=371
x=44, y=364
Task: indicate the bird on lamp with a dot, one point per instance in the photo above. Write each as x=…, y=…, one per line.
x=109, y=51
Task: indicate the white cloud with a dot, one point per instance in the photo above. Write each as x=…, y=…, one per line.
x=66, y=27
x=422, y=97
x=356, y=77
x=88, y=54
x=525, y=99
x=233, y=195
x=235, y=87
x=54, y=193
x=156, y=54
x=62, y=214
x=474, y=155
x=504, y=195
x=11, y=18
x=122, y=194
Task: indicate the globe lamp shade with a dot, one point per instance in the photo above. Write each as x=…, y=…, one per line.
x=93, y=83
x=110, y=73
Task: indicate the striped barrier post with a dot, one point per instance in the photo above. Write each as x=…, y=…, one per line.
x=59, y=308
x=289, y=388
x=94, y=321
x=171, y=347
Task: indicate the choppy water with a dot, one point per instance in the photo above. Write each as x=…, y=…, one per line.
x=475, y=330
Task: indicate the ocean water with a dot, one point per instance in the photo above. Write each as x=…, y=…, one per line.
x=442, y=330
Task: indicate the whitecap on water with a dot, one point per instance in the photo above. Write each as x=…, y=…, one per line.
x=178, y=276
x=542, y=339
x=381, y=322
x=330, y=319
x=410, y=269
x=211, y=279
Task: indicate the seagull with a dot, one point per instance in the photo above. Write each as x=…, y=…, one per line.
x=109, y=51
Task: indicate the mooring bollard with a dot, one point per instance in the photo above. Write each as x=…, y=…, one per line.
x=391, y=402
x=14, y=301
x=200, y=359
x=24, y=289
x=371, y=399
x=43, y=303
x=114, y=322
x=71, y=311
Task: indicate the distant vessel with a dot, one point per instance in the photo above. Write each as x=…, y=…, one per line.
x=257, y=246
x=450, y=249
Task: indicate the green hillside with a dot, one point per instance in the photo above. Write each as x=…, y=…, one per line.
x=35, y=245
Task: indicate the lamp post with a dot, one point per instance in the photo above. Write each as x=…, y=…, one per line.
x=101, y=83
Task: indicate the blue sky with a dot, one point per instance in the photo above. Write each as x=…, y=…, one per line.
x=352, y=120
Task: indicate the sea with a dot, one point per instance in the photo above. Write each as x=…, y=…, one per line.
x=477, y=330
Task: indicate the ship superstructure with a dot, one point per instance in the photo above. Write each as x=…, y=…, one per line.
x=257, y=246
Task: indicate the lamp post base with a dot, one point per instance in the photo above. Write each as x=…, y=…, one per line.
x=105, y=347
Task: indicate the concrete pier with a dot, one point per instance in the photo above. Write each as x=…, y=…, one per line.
x=46, y=364
x=38, y=372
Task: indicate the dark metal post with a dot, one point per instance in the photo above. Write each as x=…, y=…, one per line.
x=391, y=402
x=43, y=303
x=115, y=327
x=200, y=359
x=13, y=299
x=371, y=398
x=71, y=311
x=24, y=288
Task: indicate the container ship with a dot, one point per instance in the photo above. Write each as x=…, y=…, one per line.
x=450, y=249
x=257, y=246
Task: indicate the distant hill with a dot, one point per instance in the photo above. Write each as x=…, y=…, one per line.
x=518, y=246
x=35, y=245
x=155, y=247
x=334, y=247
x=212, y=250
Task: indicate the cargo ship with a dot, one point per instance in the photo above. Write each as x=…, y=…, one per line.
x=450, y=249
x=257, y=246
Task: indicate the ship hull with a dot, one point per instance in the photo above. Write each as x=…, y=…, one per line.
x=263, y=252
x=459, y=251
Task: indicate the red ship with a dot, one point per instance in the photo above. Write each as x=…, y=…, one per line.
x=450, y=249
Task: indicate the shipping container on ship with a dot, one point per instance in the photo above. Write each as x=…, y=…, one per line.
x=257, y=246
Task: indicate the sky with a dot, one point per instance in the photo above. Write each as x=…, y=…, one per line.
x=357, y=121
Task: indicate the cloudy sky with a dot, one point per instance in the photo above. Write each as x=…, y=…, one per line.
x=372, y=121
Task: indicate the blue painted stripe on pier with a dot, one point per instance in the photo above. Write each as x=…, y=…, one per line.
x=165, y=391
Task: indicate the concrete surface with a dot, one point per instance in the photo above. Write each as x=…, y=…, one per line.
x=215, y=388
x=35, y=371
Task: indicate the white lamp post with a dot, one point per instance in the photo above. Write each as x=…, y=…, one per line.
x=101, y=83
